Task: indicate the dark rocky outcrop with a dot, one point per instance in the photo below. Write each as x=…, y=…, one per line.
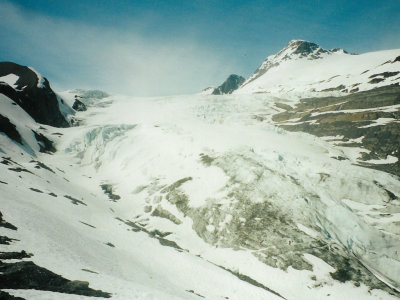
x=376, y=80
x=5, y=224
x=330, y=116
x=36, y=98
x=9, y=129
x=45, y=145
x=305, y=48
x=7, y=296
x=24, y=274
x=384, y=74
x=28, y=275
x=232, y=83
x=74, y=200
x=79, y=105
x=109, y=191
x=8, y=91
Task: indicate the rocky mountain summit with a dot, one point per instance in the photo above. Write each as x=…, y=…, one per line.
x=232, y=83
x=304, y=69
x=296, y=49
x=32, y=92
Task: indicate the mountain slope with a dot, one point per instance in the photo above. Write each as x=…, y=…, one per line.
x=27, y=105
x=72, y=228
x=304, y=69
x=126, y=194
x=367, y=122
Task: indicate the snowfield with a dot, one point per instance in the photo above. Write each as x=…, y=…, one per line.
x=295, y=72
x=194, y=196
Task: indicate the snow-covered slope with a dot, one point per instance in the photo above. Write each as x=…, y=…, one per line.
x=198, y=196
x=304, y=69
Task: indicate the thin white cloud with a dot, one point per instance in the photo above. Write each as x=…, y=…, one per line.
x=116, y=60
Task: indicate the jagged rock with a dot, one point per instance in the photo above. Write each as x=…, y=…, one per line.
x=305, y=48
x=109, y=191
x=233, y=82
x=5, y=224
x=320, y=117
x=294, y=50
x=34, y=94
x=45, y=145
x=9, y=129
x=79, y=105
x=7, y=296
x=27, y=275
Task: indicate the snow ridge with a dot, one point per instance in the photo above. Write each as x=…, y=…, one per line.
x=40, y=78
x=304, y=69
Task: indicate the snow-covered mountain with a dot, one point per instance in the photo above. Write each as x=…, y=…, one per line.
x=304, y=69
x=202, y=196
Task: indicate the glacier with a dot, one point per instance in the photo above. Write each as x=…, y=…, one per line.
x=278, y=209
x=206, y=196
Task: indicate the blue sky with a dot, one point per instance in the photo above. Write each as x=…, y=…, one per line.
x=174, y=47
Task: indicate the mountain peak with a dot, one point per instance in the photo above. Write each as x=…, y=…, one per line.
x=300, y=49
x=230, y=84
x=300, y=43
x=294, y=50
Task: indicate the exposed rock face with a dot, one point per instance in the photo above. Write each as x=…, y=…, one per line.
x=79, y=105
x=33, y=93
x=27, y=275
x=9, y=129
x=45, y=145
x=302, y=49
x=375, y=125
x=232, y=83
x=23, y=274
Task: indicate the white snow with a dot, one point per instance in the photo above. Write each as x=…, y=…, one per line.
x=207, y=91
x=389, y=160
x=207, y=183
x=302, y=77
x=158, y=142
x=24, y=124
x=40, y=78
x=380, y=122
x=210, y=147
x=10, y=79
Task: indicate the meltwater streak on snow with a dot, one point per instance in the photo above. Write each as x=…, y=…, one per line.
x=168, y=135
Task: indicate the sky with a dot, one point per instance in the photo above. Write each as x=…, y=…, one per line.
x=155, y=48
